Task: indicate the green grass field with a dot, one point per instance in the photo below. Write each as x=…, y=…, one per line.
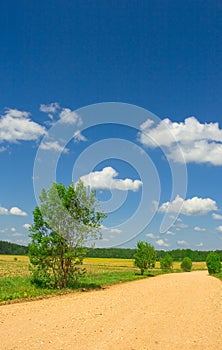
x=15, y=277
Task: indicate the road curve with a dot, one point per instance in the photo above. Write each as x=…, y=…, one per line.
x=176, y=312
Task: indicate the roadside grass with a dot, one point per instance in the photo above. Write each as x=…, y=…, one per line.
x=15, y=281
x=219, y=275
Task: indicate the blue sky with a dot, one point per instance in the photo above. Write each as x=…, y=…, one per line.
x=154, y=154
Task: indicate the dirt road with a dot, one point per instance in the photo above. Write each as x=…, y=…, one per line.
x=176, y=311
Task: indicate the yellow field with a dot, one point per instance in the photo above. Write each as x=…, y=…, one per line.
x=17, y=265
x=14, y=265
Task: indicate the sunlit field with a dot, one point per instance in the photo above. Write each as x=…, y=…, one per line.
x=17, y=265
x=100, y=272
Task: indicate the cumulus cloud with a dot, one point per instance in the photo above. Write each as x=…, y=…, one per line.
x=12, y=211
x=199, y=143
x=78, y=136
x=67, y=116
x=190, y=207
x=162, y=243
x=53, y=146
x=199, y=229
x=219, y=228
x=105, y=179
x=199, y=244
x=17, y=126
x=62, y=115
x=17, y=211
x=216, y=216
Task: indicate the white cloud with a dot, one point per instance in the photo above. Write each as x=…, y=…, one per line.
x=13, y=229
x=51, y=108
x=150, y=235
x=170, y=233
x=3, y=211
x=182, y=243
x=17, y=126
x=190, y=207
x=78, y=136
x=17, y=211
x=12, y=211
x=219, y=228
x=110, y=229
x=199, y=244
x=26, y=226
x=216, y=216
x=105, y=179
x=67, y=116
x=199, y=229
x=53, y=146
x=161, y=243
x=199, y=143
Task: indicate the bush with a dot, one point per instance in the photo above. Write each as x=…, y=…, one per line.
x=213, y=263
x=166, y=263
x=186, y=264
x=145, y=256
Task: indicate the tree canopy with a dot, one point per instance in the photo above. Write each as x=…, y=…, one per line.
x=145, y=256
x=66, y=219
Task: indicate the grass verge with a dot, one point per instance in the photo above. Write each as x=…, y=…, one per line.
x=15, y=281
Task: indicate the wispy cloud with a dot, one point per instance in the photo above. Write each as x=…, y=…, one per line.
x=216, y=216
x=50, y=108
x=199, y=229
x=78, y=136
x=182, y=243
x=151, y=235
x=53, y=146
x=110, y=229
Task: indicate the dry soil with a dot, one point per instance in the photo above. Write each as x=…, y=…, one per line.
x=175, y=311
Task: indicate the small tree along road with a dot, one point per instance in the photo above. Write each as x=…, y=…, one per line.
x=66, y=218
x=145, y=256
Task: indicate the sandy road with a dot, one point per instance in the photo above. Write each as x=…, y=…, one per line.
x=176, y=311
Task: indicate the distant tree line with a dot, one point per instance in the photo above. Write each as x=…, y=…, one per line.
x=127, y=253
x=12, y=248
x=122, y=253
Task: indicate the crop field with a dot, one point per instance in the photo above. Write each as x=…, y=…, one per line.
x=15, y=276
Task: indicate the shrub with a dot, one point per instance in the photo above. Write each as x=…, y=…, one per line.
x=145, y=256
x=213, y=263
x=166, y=263
x=186, y=264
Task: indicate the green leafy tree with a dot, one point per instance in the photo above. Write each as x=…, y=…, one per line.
x=166, y=263
x=186, y=264
x=213, y=263
x=65, y=220
x=145, y=256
